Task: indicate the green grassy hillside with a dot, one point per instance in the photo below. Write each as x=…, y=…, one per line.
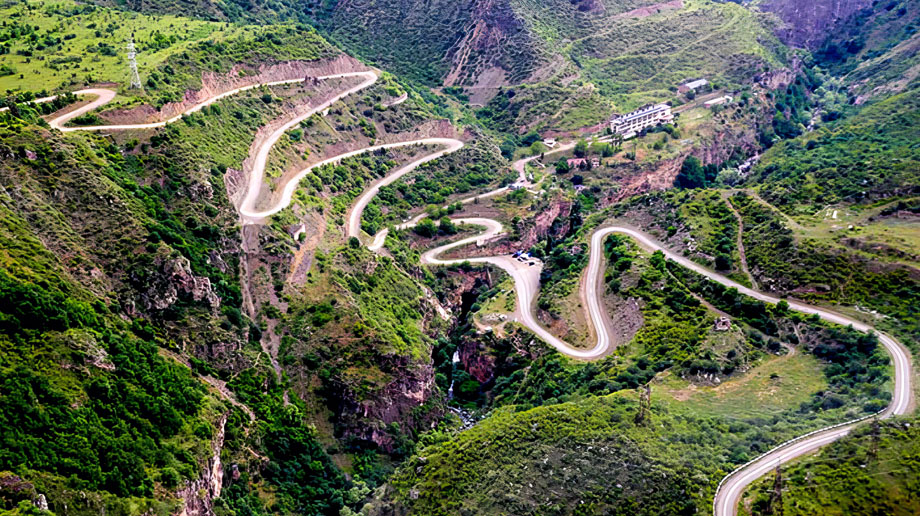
x=570, y=63
x=866, y=157
x=877, y=49
x=87, y=402
x=66, y=46
x=120, y=286
x=873, y=471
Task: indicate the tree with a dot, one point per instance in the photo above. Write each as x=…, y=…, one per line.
x=530, y=138
x=537, y=148
x=691, y=174
x=562, y=166
x=447, y=226
x=782, y=308
x=426, y=228
x=581, y=148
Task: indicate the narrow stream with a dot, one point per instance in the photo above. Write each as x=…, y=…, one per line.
x=454, y=361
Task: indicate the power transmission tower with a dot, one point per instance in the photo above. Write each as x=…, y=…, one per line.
x=132, y=63
x=776, y=499
x=876, y=437
x=645, y=404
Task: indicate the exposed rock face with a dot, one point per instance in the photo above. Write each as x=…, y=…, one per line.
x=199, y=495
x=41, y=503
x=807, y=23
x=462, y=282
x=367, y=418
x=776, y=79
x=553, y=219
x=492, y=26
x=14, y=488
x=477, y=360
x=174, y=280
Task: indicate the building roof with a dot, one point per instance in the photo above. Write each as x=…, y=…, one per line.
x=646, y=110
x=720, y=100
x=696, y=84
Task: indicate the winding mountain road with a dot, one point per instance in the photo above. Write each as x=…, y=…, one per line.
x=527, y=284
x=732, y=487
x=527, y=277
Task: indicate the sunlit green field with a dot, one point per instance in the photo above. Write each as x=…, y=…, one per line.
x=776, y=384
x=56, y=45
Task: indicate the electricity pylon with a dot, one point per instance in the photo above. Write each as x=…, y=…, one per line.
x=132, y=63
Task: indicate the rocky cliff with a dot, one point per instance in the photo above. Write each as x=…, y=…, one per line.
x=198, y=496
x=807, y=24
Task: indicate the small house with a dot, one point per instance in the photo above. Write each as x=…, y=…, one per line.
x=549, y=142
x=576, y=162
x=719, y=101
x=692, y=85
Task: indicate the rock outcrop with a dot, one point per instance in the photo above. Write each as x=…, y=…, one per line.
x=198, y=496
x=380, y=417
x=807, y=24
x=173, y=280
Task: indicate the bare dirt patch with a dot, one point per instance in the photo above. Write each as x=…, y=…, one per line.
x=644, y=12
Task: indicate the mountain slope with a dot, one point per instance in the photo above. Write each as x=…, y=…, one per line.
x=873, y=471
x=807, y=24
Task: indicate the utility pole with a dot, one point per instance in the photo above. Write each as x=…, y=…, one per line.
x=132, y=64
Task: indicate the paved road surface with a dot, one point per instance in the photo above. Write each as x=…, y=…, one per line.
x=527, y=284
x=527, y=277
x=354, y=216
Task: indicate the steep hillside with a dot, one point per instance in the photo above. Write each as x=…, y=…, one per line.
x=579, y=60
x=867, y=157
x=443, y=43
x=873, y=46
x=873, y=471
x=569, y=64
x=877, y=50
x=197, y=317
x=140, y=376
x=623, y=62
x=808, y=24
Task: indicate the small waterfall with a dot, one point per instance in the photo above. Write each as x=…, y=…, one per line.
x=454, y=361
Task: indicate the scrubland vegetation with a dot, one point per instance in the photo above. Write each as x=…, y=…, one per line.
x=144, y=332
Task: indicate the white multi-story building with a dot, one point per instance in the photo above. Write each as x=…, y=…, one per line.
x=630, y=124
